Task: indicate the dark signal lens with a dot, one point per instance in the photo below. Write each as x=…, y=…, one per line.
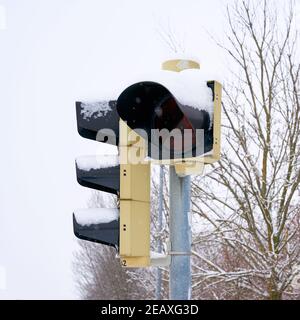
x=167, y=115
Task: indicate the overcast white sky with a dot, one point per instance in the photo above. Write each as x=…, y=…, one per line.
x=54, y=52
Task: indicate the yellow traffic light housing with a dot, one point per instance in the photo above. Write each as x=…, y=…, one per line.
x=134, y=248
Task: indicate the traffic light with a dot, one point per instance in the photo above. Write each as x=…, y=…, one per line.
x=177, y=132
x=157, y=109
x=91, y=118
x=127, y=228
x=148, y=122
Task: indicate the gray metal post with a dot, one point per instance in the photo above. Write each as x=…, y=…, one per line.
x=180, y=237
x=158, y=293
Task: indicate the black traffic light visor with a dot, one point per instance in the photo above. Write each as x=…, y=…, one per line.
x=104, y=233
x=102, y=179
x=149, y=105
x=98, y=121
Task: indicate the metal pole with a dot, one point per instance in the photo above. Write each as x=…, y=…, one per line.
x=180, y=237
x=158, y=293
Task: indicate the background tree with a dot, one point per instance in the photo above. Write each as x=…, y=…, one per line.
x=250, y=200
